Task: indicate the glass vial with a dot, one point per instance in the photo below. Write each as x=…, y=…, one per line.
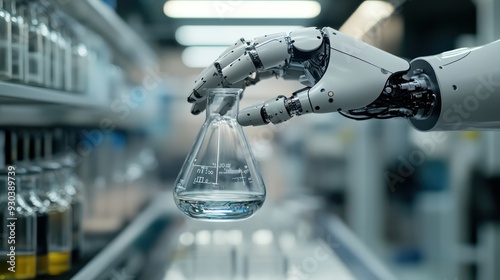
x=18, y=223
x=5, y=43
x=220, y=179
x=59, y=257
x=19, y=29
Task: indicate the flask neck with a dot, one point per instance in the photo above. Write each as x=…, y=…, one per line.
x=223, y=102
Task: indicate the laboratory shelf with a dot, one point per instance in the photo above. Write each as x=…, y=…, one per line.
x=28, y=105
x=130, y=50
x=11, y=93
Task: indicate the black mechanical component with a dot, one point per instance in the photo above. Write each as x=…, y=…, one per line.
x=314, y=62
x=401, y=97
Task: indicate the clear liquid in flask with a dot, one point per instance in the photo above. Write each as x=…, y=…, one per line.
x=220, y=180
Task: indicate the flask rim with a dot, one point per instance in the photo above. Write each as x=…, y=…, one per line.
x=227, y=101
x=223, y=90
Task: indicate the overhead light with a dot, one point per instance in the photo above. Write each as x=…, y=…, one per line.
x=241, y=9
x=262, y=237
x=224, y=35
x=366, y=16
x=201, y=57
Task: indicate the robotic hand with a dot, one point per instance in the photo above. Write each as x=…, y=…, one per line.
x=455, y=90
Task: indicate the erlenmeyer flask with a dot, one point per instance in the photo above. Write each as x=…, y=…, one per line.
x=220, y=180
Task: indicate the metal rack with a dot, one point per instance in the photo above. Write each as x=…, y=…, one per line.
x=129, y=51
x=11, y=93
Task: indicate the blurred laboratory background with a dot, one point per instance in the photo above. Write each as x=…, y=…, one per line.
x=95, y=126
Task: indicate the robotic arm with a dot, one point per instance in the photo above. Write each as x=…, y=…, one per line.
x=456, y=90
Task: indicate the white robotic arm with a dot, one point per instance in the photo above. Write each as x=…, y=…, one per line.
x=451, y=91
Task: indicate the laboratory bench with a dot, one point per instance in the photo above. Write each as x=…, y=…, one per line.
x=289, y=240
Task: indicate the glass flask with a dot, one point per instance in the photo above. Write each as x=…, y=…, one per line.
x=5, y=43
x=60, y=238
x=18, y=228
x=220, y=179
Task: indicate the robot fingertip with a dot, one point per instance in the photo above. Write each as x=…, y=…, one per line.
x=190, y=99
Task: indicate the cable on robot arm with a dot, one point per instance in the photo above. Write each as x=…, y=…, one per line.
x=401, y=97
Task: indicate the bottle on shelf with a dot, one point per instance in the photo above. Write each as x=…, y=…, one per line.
x=30, y=182
x=60, y=226
x=67, y=64
x=79, y=61
x=57, y=42
x=60, y=240
x=35, y=52
x=5, y=43
x=18, y=38
x=23, y=224
x=47, y=47
x=31, y=190
x=72, y=189
x=18, y=230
